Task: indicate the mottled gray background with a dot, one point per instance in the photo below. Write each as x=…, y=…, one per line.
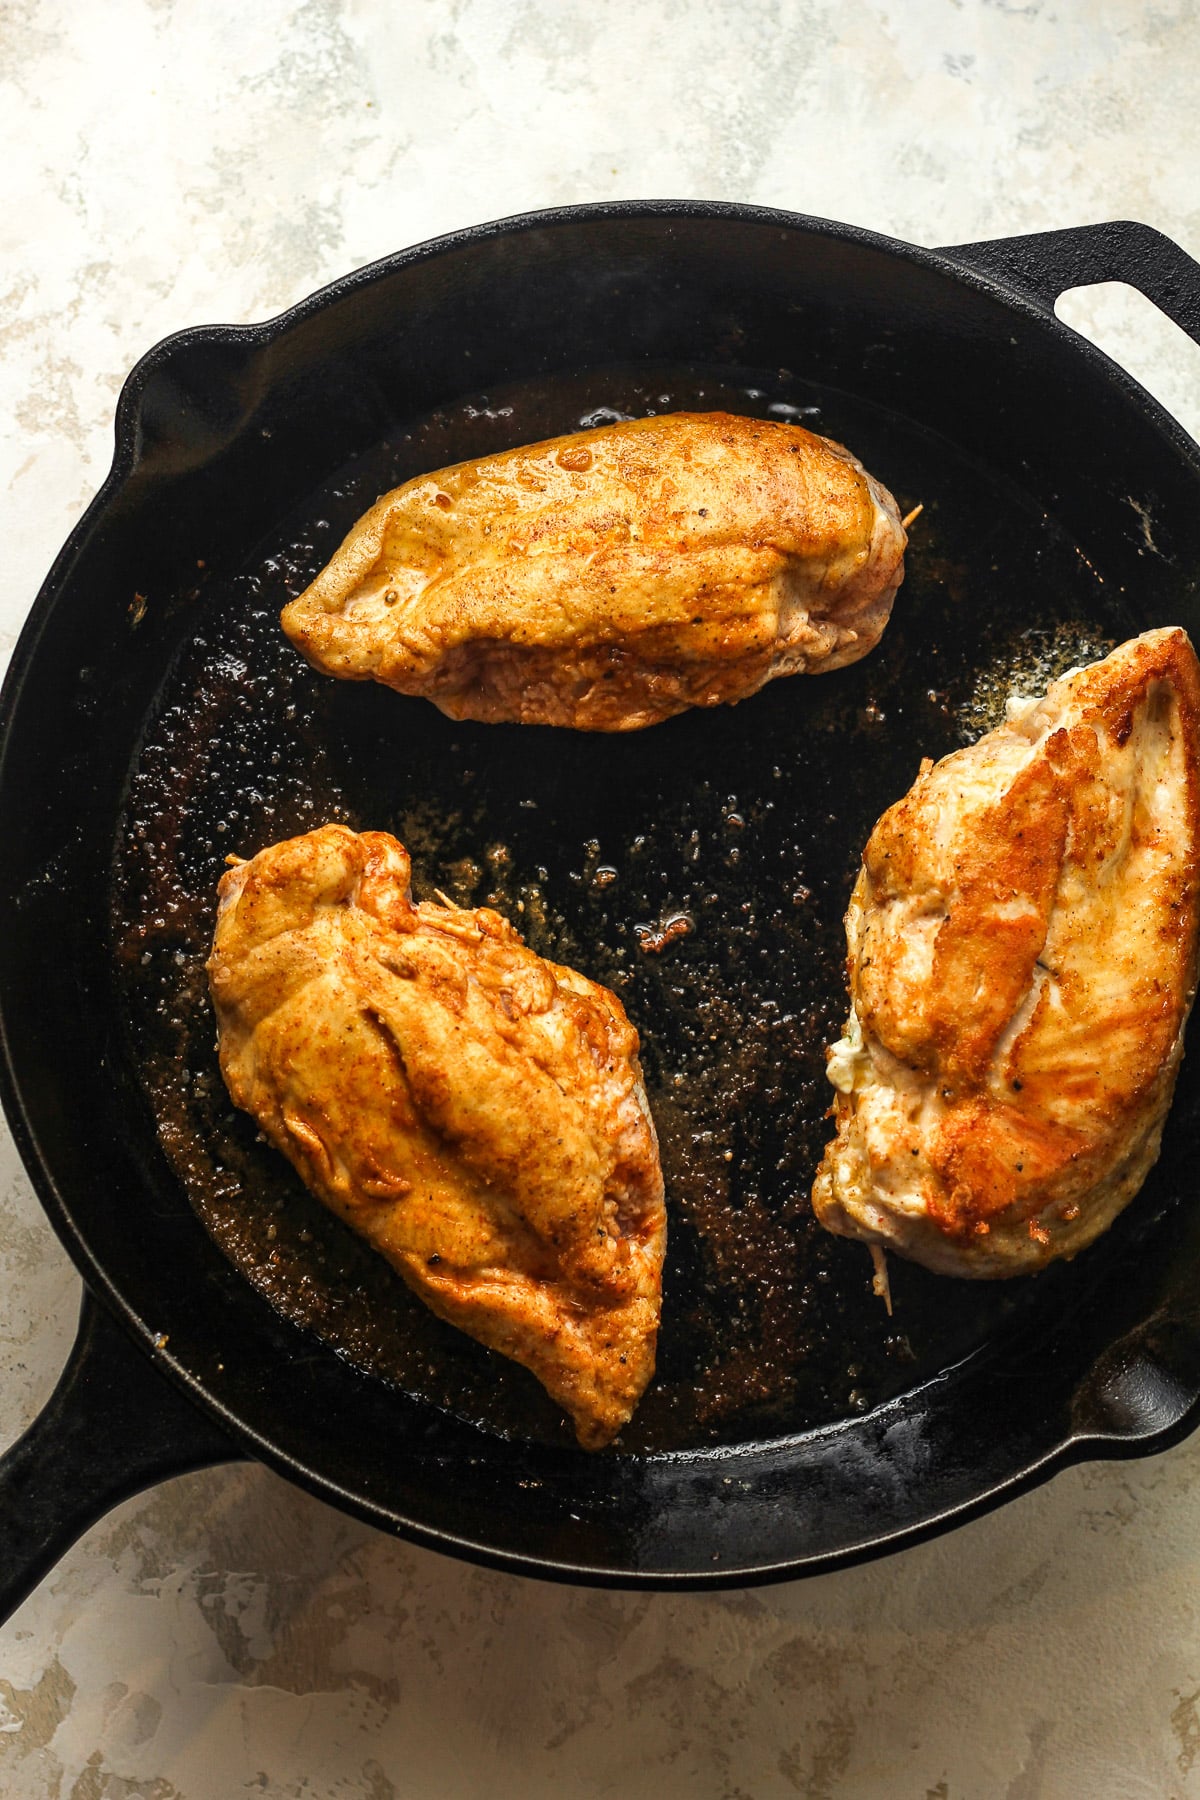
x=167, y=162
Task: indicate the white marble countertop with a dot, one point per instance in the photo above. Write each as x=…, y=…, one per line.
x=170, y=162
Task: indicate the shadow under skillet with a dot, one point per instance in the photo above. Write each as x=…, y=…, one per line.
x=746, y=823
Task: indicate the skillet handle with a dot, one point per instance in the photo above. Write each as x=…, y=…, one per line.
x=112, y=1427
x=1047, y=263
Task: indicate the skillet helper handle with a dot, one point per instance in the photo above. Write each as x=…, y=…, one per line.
x=112, y=1427
x=1049, y=262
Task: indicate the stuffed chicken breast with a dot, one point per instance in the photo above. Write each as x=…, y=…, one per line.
x=1022, y=958
x=475, y=1111
x=610, y=579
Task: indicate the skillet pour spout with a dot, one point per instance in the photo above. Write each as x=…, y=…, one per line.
x=762, y=1457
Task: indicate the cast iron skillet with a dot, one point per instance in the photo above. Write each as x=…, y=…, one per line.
x=1063, y=512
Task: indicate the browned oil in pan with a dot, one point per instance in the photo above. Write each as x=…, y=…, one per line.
x=746, y=823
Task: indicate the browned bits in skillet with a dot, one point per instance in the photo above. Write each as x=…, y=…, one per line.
x=247, y=745
x=653, y=940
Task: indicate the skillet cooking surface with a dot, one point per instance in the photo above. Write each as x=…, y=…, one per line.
x=746, y=821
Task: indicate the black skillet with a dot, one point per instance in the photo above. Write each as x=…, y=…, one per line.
x=153, y=719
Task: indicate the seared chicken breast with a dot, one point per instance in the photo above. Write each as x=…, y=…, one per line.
x=1022, y=958
x=609, y=579
x=475, y=1111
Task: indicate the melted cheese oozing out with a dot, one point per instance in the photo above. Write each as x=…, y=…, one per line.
x=849, y=1063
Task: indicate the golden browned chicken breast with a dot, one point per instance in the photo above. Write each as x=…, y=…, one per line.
x=475, y=1111
x=610, y=579
x=1022, y=943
